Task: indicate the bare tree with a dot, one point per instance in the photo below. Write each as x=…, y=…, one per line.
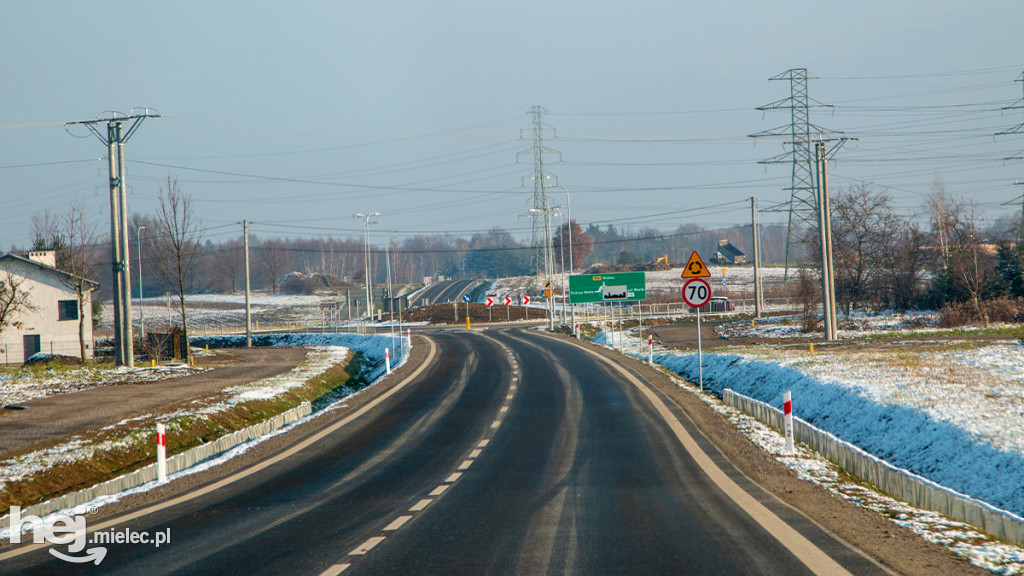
x=14, y=299
x=178, y=242
x=73, y=238
x=273, y=257
x=81, y=260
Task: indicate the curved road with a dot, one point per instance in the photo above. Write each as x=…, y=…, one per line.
x=441, y=292
x=508, y=452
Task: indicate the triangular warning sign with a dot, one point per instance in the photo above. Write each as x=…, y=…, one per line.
x=695, y=267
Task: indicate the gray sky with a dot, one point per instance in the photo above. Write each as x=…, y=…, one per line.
x=295, y=115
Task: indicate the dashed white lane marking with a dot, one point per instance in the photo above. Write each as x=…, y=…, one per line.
x=455, y=476
x=440, y=490
x=366, y=546
x=465, y=464
x=398, y=523
x=483, y=443
x=475, y=453
x=496, y=423
x=420, y=505
x=503, y=409
x=335, y=570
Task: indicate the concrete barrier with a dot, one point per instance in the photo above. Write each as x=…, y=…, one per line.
x=896, y=482
x=175, y=463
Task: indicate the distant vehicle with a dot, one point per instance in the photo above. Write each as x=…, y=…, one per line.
x=717, y=304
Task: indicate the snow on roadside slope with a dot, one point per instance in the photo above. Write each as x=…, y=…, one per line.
x=326, y=350
x=965, y=435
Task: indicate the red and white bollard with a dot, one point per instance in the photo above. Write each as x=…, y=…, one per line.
x=787, y=415
x=161, y=452
x=650, y=350
x=387, y=360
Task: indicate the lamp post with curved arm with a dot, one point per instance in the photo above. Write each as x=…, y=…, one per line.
x=366, y=258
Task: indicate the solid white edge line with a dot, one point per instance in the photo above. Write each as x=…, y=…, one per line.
x=254, y=468
x=805, y=550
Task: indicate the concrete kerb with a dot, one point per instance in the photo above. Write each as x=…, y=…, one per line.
x=897, y=482
x=175, y=463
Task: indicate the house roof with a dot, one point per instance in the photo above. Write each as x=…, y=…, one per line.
x=51, y=269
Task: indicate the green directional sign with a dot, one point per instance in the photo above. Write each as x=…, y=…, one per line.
x=614, y=287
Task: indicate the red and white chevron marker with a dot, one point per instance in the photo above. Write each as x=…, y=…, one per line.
x=787, y=415
x=161, y=452
x=489, y=301
x=507, y=300
x=526, y=300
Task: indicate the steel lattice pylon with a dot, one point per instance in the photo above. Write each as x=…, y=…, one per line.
x=801, y=134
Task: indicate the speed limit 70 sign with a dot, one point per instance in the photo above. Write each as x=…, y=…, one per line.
x=696, y=292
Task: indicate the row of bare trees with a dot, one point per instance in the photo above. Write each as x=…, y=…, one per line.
x=885, y=260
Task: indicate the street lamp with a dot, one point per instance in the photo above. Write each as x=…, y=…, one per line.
x=568, y=206
x=366, y=258
x=142, y=318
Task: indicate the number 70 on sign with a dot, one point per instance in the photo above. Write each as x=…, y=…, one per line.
x=696, y=292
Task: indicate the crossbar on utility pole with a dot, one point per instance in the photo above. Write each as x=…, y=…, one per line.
x=124, y=353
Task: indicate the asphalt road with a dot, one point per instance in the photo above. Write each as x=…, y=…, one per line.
x=509, y=453
x=440, y=292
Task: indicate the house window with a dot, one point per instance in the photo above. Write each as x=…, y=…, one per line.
x=67, y=309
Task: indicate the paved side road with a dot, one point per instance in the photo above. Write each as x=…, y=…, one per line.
x=50, y=419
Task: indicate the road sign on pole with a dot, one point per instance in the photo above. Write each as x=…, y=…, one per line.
x=618, y=287
x=507, y=300
x=526, y=300
x=465, y=298
x=695, y=267
x=696, y=292
x=489, y=301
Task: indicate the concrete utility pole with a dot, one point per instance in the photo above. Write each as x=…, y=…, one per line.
x=828, y=293
x=142, y=318
x=124, y=353
x=366, y=258
x=248, y=308
x=757, y=256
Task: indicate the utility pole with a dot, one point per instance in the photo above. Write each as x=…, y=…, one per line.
x=124, y=353
x=248, y=308
x=828, y=293
x=366, y=258
x=802, y=205
x=757, y=256
x=142, y=318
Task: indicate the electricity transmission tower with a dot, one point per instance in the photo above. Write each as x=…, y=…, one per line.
x=542, y=253
x=1018, y=129
x=114, y=139
x=801, y=136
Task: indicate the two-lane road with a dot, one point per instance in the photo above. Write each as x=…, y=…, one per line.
x=509, y=453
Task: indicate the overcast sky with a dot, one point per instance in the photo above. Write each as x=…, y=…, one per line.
x=295, y=115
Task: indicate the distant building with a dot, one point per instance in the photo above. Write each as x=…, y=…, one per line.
x=52, y=327
x=729, y=254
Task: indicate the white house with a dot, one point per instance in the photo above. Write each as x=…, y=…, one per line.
x=52, y=325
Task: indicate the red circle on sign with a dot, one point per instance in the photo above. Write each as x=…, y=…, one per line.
x=696, y=292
